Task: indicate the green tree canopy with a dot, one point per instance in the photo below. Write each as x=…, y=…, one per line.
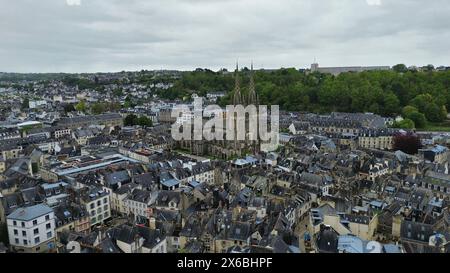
x=131, y=120
x=401, y=68
x=407, y=110
x=419, y=119
x=98, y=108
x=144, y=121
x=81, y=106
x=25, y=103
x=405, y=124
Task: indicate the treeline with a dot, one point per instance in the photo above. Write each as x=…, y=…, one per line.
x=382, y=92
x=82, y=83
x=96, y=108
x=200, y=81
x=17, y=77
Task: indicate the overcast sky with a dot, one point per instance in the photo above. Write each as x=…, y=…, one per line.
x=115, y=35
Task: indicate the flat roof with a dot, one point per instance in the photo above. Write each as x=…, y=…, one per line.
x=117, y=158
x=28, y=123
x=29, y=213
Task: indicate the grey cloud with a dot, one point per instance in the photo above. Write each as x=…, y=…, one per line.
x=115, y=35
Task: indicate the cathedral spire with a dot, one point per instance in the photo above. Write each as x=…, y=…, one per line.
x=237, y=97
x=252, y=96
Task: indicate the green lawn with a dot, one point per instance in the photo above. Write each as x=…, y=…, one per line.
x=437, y=126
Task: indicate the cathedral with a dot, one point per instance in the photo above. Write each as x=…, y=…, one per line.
x=250, y=99
x=226, y=149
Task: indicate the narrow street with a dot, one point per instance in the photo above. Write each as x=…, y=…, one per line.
x=302, y=228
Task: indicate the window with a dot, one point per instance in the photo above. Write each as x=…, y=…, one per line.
x=24, y=233
x=105, y=207
x=49, y=235
x=99, y=203
x=25, y=242
x=36, y=231
x=34, y=222
x=92, y=205
x=17, y=241
x=105, y=201
x=37, y=240
x=48, y=226
x=47, y=217
x=15, y=223
x=23, y=224
x=16, y=232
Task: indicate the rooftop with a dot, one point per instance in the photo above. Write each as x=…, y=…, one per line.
x=30, y=213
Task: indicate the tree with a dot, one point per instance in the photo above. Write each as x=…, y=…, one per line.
x=430, y=105
x=407, y=110
x=113, y=106
x=405, y=124
x=81, y=106
x=419, y=119
x=25, y=103
x=118, y=92
x=98, y=108
x=412, y=113
x=69, y=108
x=433, y=112
x=444, y=112
x=400, y=68
x=429, y=68
x=129, y=102
x=131, y=120
x=407, y=142
x=391, y=104
x=144, y=122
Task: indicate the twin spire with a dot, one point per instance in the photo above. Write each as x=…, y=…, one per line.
x=252, y=97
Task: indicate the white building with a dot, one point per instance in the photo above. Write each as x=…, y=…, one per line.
x=98, y=206
x=62, y=132
x=37, y=103
x=32, y=229
x=138, y=203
